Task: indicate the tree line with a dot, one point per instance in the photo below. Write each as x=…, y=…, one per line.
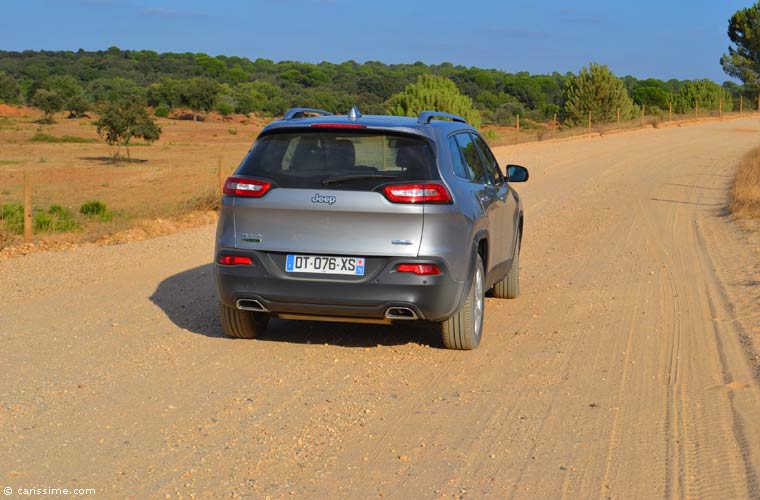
x=83, y=80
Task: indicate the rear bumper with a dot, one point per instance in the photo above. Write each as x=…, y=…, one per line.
x=432, y=298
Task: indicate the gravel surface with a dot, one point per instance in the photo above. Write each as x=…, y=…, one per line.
x=626, y=370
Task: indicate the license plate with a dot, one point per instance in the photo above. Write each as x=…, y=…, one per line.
x=325, y=265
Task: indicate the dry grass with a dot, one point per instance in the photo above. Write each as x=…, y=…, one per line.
x=167, y=180
x=173, y=179
x=745, y=194
x=535, y=131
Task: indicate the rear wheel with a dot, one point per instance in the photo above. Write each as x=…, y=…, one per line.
x=241, y=324
x=464, y=329
x=509, y=287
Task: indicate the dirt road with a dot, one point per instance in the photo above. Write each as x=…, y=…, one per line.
x=623, y=372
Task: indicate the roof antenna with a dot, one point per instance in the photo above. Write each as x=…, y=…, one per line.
x=354, y=114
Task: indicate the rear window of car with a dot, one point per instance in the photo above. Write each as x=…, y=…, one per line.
x=339, y=159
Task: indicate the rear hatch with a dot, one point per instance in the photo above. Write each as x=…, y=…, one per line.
x=326, y=192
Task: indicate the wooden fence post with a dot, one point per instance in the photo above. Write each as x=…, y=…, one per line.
x=618, y=118
x=589, y=123
x=517, y=121
x=670, y=111
x=643, y=112
x=696, y=110
x=27, y=208
x=554, y=124
x=720, y=108
x=741, y=105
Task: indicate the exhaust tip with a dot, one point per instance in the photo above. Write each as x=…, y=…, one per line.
x=251, y=305
x=400, y=313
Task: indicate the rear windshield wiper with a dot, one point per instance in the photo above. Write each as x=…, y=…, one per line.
x=356, y=177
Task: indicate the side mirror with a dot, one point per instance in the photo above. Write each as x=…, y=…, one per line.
x=517, y=173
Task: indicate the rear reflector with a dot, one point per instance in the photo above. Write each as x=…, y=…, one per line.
x=235, y=260
x=337, y=125
x=417, y=193
x=248, y=188
x=419, y=269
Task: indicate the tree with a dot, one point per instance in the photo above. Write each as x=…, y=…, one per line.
x=225, y=105
x=598, y=90
x=77, y=106
x=199, y=94
x=114, y=89
x=49, y=101
x=212, y=66
x=71, y=92
x=433, y=93
x=743, y=60
x=121, y=120
x=8, y=88
x=704, y=93
x=167, y=91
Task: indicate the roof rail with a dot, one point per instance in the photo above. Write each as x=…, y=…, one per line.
x=295, y=113
x=426, y=116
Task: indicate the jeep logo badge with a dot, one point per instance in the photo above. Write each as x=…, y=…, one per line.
x=319, y=198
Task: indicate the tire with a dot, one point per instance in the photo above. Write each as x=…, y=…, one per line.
x=240, y=324
x=464, y=329
x=509, y=287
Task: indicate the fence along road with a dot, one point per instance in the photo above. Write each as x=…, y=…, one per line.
x=622, y=372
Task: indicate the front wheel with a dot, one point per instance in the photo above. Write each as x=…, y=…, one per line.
x=241, y=324
x=464, y=329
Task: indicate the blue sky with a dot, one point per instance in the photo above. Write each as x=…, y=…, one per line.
x=660, y=39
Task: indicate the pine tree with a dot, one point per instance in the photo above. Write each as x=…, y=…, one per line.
x=433, y=93
x=598, y=90
x=743, y=60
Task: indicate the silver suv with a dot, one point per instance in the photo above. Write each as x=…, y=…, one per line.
x=374, y=219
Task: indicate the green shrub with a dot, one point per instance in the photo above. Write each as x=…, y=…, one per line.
x=12, y=217
x=76, y=140
x=56, y=219
x=42, y=137
x=94, y=207
x=97, y=209
x=162, y=111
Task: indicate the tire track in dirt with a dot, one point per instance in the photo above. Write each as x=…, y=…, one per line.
x=686, y=424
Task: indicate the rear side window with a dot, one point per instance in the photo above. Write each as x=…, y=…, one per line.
x=492, y=166
x=470, y=157
x=339, y=160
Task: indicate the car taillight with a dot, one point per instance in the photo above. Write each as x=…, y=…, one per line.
x=419, y=269
x=235, y=260
x=417, y=193
x=248, y=188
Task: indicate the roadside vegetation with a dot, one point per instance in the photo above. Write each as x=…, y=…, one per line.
x=54, y=219
x=743, y=62
x=745, y=193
